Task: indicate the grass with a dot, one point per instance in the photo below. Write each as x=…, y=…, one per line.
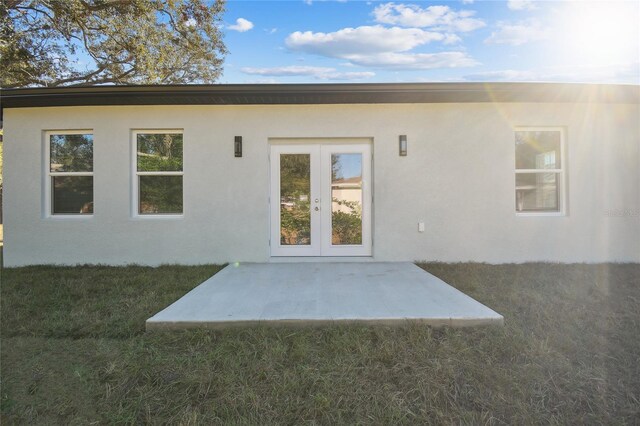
x=74, y=352
x=91, y=301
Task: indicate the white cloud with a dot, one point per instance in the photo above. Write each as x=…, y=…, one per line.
x=414, y=61
x=242, y=25
x=262, y=81
x=619, y=73
x=451, y=39
x=361, y=40
x=292, y=70
x=467, y=1
x=503, y=75
x=320, y=73
x=377, y=46
x=270, y=30
x=439, y=18
x=521, y=5
x=352, y=75
x=518, y=33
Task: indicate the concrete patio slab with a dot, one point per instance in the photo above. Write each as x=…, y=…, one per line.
x=323, y=293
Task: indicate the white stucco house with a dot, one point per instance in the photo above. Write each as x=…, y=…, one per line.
x=222, y=173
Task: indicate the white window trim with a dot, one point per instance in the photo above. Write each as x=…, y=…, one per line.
x=47, y=199
x=562, y=197
x=135, y=190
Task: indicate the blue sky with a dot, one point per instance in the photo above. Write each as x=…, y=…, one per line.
x=376, y=41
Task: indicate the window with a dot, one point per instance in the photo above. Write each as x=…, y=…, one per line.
x=69, y=185
x=158, y=172
x=539, y=170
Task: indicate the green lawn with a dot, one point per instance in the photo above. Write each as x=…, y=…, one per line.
x=74, y=351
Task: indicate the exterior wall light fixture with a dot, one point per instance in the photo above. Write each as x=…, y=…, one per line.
x=237, y=146
x=403, y=145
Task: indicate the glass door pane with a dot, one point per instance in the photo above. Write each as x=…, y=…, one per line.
x=295, y=199
x=346, y=199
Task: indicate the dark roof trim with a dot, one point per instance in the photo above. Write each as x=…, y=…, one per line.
x=269, y=94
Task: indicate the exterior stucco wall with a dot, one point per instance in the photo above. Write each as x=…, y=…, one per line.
x=458, y=178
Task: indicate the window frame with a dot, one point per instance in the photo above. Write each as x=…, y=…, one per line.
x=49, y=175
x=562, y=171
x=135, y=175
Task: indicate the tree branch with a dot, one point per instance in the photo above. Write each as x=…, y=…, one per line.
x=105, y=5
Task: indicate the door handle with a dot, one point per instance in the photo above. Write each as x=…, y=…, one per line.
x=317, y=200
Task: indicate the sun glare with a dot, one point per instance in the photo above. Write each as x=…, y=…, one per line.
x=600, y=33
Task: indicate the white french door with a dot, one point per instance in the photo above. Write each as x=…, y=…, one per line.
x=321, y=199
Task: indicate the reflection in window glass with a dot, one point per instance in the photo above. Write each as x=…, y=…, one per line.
x=72, y=194
x=295, y=199
x=160, y=194
x=70, y=169
x=537, y=192
x=539, y=170
x=346, y=199
x=71, y=153
x=538, y=149
x=159, y=166
x=159, y=152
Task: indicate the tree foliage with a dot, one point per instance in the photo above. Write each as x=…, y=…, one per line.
x=295, y=204
x=295, y=190
x=159, y=152
x=71, y=153
x=346, y=227
x=161, y=194
x=116, y=41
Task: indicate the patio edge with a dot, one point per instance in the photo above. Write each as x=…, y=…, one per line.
x=394, y=322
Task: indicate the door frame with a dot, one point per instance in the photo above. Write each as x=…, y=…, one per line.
x=320, y=150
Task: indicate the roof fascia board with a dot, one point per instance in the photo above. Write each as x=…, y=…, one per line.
x=269, y=94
